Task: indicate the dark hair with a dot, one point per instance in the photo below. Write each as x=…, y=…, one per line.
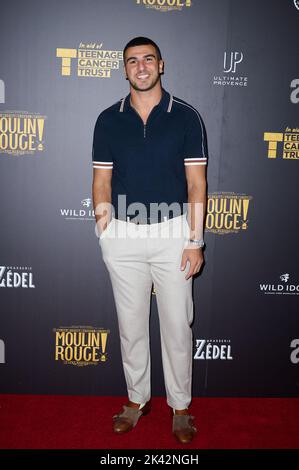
x=141, y=41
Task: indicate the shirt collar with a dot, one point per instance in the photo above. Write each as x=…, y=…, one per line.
x=165, y=103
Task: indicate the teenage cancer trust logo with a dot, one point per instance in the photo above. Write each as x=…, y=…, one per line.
x=289, y=146
x=165, y=5
x=21, y=133
x=90, y=59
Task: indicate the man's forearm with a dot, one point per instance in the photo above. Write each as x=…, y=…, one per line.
x=101, y=195
x=196, y=211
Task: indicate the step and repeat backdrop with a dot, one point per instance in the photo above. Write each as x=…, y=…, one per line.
x=61, y=65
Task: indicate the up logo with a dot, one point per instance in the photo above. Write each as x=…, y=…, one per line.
x=231, y=60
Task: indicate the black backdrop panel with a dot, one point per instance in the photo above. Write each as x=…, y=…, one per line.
x=235, y=62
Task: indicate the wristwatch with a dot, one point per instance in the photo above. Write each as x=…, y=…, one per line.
x=197, y=243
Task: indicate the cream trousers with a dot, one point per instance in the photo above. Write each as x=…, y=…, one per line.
x=137, y=256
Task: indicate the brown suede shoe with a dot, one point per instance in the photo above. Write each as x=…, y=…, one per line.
x=183, y=428
x=127, y=420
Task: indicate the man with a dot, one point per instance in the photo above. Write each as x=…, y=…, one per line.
x=149, y=151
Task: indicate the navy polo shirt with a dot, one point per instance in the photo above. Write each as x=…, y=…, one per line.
x=148, y=160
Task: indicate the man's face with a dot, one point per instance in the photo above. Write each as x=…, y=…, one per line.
x=142, y=67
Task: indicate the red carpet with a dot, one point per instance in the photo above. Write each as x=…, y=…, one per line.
x=84, y=422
